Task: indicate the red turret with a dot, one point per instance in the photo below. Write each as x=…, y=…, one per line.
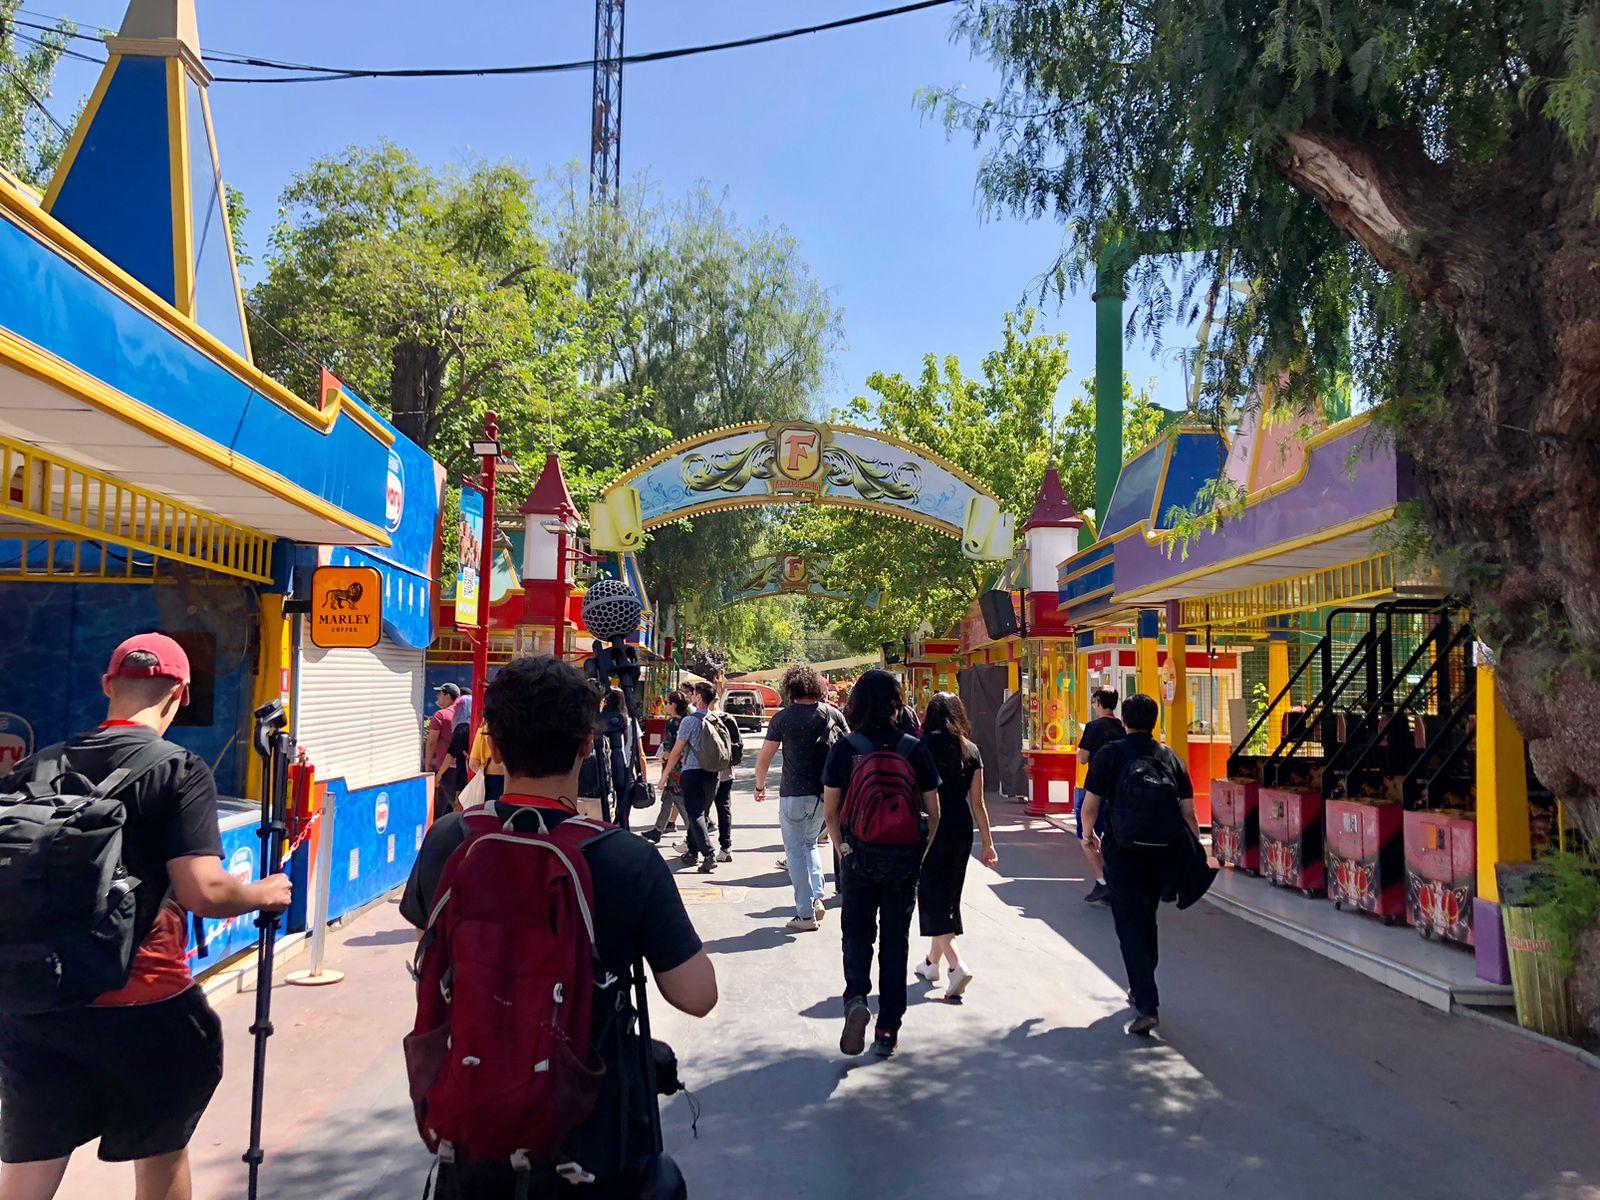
x=1051, y=510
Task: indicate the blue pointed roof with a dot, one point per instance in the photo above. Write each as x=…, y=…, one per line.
x=140, y=179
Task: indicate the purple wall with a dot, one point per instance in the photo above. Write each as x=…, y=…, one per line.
x=1352, y=476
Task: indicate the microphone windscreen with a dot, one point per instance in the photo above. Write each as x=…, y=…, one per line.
x=611, y=609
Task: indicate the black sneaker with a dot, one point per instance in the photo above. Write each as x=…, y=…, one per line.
x=854, y=1038
x=708, y=865
x=653, y=836
x=688, y=858
x=884, y=1044
x=1144, y=1023
x=1098, y=894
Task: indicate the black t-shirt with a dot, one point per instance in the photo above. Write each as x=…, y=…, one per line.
x=637, y=909
x=957, y=761
x=172, y=811
x=637, y=913
x=1106, y=766
x=800, y=729
x=842, y=760
x=1099, y=732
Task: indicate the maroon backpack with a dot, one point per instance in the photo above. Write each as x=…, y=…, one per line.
x=883, y=804
x=499, y=1060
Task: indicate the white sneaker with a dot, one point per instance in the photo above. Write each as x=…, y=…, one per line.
x=927, y=971
x=801, y=925
x=959, y=978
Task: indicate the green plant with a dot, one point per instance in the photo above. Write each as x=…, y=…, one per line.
x=1259, y=699
x=1568, y=890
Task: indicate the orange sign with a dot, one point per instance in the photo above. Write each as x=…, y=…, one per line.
x=346, y=607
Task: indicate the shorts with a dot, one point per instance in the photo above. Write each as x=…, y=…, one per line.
x=1077, y=812
x=137, y=1077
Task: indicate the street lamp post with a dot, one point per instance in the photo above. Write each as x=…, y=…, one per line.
x=488, y=451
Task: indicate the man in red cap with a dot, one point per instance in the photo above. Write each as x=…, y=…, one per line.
x=137, y=1067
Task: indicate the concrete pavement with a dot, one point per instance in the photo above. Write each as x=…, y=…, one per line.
x=1277, y=1073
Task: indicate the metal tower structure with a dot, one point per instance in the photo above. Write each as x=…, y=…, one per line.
x=605, y=141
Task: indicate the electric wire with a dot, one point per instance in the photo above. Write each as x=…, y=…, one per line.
x=312, y=73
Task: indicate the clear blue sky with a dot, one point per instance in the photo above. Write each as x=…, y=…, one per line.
x=820, y=135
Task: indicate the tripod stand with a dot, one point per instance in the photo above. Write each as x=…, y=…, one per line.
x=275, y=745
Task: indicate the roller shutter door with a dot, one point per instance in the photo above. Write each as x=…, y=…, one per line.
x=360, y=712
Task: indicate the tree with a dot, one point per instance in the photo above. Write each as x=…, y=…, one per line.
x=433, y=295
x=1003, y=428
x=30, y=140
x=1419, y=179
x=717, y=323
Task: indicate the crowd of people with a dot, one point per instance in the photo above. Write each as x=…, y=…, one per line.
x=894, y=798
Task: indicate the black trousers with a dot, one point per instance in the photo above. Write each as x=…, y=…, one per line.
x=725, y=813
x=699, y=790
x=877, y=911
x=1135, y=881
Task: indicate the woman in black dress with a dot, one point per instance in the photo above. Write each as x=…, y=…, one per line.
x=947, y=732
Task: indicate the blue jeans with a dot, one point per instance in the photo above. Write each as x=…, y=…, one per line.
x=800, y=817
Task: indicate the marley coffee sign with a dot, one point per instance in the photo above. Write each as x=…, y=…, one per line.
x=346, y=607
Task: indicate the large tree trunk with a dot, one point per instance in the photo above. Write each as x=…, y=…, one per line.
x=416, y=378
x=1508, y=469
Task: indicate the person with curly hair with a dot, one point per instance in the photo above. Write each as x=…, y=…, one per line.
x=806, y=730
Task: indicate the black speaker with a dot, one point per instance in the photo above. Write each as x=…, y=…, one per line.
x=999, y=617
x=893, y=654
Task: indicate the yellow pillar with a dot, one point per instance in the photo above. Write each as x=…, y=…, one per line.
x=1147, y=655
x=1080, y=666
x=1175, y=712
x=273, y=669
x=1502, y=788
x=1277, y=681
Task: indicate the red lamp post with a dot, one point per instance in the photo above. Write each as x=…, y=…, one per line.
x=488, y=450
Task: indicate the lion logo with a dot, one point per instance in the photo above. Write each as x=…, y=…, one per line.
x=340, y=598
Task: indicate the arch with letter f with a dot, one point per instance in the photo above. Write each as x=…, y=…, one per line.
x=800, y=462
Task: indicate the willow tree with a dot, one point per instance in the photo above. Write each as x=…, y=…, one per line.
x=1417, y=181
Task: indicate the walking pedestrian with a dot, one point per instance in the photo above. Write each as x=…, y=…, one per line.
x=807, y=729
x=608, y=772
x=724, y=792
x=671, y=786
x=877, y=784
x=452, y=774
x=541, y=715
x=947, y=732
x=1146, y=845
x=136, y=1065
x=696, y=742
x=444, y=716
x=1104, y=727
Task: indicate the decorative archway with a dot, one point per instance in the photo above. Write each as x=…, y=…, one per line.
x=800, y=462
x=789, y=575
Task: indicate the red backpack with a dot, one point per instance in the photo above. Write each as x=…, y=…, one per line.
x=883, y=804
x=499, y=1060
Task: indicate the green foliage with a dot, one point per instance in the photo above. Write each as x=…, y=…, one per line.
x=1260, y=699
x=1568, y=890
x=757, y=634
x=432, y=295
x=717, y=323
x=30, y=143
x=1003, y=427
x=1118, y=117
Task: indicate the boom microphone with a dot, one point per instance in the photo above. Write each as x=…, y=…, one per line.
x=611, y=610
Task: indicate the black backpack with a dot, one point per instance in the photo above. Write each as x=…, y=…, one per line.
x=735, y=739
x=1145, y=810
x=67, y=903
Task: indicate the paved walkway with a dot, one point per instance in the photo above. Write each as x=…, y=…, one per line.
x=1277, y=1073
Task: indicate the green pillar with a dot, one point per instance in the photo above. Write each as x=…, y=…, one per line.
x=1109, y=292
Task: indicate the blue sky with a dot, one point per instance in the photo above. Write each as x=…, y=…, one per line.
x=820, y=135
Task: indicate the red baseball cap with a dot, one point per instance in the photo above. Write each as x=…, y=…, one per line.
x=171, y=662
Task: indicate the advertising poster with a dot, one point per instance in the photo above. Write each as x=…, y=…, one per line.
x=467, y=583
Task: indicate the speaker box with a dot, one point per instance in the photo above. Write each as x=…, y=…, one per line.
x=999, y=617
x=892, y=654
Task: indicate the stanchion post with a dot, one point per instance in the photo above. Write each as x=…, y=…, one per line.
x=322, y=886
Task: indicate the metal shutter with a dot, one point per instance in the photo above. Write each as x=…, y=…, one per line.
x=360, y=712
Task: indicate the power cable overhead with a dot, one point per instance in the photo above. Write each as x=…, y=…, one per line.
x=311, y=73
